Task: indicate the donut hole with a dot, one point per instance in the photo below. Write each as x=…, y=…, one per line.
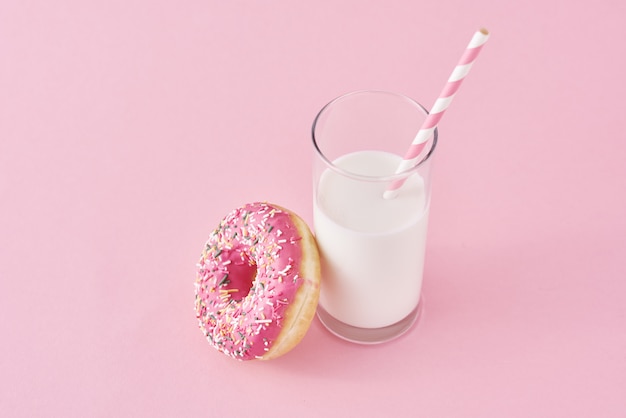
x=241, y=272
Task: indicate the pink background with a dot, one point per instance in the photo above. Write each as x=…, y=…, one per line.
x=128, y=128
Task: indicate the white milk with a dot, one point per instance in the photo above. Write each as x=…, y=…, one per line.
x=372, y=248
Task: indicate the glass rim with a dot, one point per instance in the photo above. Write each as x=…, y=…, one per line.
x=388, y=178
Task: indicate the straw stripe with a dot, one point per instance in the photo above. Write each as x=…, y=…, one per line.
x=431, y=122
x=439, y=107
x=470, y=54
x=451, y=88
x=460, y=71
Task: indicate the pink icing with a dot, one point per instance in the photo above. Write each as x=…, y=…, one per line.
x=247, y=277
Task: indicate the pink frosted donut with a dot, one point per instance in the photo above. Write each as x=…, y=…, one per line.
x=257, y=284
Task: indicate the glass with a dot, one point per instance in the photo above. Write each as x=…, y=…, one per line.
x=372, y=249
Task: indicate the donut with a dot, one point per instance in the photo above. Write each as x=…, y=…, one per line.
x=257, y=283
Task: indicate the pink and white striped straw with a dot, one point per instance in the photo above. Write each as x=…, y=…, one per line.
x=441, y=104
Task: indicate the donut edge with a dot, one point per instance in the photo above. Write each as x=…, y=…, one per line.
x=300, y=314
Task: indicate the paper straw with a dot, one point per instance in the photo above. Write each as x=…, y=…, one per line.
x=441, y=104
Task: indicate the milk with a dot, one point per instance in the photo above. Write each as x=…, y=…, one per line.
x=372, y=248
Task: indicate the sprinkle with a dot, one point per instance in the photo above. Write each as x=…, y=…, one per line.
x=224, y=280
x=263, y=321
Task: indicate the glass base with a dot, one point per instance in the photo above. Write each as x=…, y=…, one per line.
x=369, y=335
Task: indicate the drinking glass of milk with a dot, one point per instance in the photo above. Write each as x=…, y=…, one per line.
x=372, y=247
